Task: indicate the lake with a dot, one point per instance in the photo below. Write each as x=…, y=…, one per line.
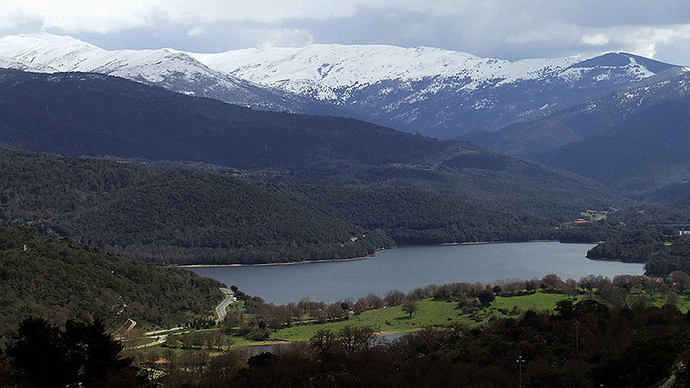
x=406, y=268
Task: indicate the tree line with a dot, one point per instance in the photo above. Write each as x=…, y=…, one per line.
x=179, y=216
x=58, y=279
x=582, y=344
x=661, y=254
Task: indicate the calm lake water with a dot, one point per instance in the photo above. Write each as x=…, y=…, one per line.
x=409, y=267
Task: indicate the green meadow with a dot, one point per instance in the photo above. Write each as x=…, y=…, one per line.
x=431, y=313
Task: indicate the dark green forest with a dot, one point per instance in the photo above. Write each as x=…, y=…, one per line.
x=661, y=254
x=412, y=216
x=58, y=279
x=180, y=216
x=45, y=355
x=90, y=114
x=641, y=234
x=337, y=188
x=87, y=114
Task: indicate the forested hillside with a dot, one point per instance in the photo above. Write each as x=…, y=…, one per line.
x=412, y=215
x=341, y=188
x=642, y=154
x=179, y=216
x=89, y=114
x=59, y=279
x=661, y=254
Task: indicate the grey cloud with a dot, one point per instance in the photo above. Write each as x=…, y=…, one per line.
x=490, y=28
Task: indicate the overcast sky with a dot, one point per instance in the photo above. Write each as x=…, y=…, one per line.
x=509, y=29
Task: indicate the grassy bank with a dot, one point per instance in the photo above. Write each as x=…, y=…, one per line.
x=434, y=313
x=431, y=313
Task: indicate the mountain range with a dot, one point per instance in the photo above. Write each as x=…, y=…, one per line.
x=597, y=117
x=166, y=68
x=414, y=188
x=634, y=139
x=430, y=91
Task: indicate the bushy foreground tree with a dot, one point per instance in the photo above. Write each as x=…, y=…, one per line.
x=80, y=355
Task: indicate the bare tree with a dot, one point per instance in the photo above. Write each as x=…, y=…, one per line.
x=394, y=298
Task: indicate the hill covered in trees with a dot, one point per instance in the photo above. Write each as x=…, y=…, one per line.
x=661, y=255
x=413, y=216
x=89, y=114
x=336, y=184
x=58, y=279
x=177, y=216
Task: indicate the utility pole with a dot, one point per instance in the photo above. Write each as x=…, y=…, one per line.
x=520, y=360
x=577, y=336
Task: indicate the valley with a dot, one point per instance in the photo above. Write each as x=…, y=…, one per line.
x=419, y=191
x=454, y=176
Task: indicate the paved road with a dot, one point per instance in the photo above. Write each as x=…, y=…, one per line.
x=160, y=336
x=229, y=298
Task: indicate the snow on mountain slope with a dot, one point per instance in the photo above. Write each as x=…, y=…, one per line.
x=10, y=64
x=330, y=67
x=541, y=140
x=167, y=68
x=432, y=91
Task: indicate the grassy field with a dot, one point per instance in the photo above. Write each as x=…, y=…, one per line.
x=683, y=303
x=431, y=313
x=537, y=301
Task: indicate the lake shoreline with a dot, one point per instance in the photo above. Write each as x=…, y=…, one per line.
x=274, y=264
x=408, y=267
x=351, y=258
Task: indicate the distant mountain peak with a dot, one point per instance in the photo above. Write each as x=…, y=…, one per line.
x=168, y=68
x=432, y=91
x=45, y=37
x=338, y=66
x=622, y=59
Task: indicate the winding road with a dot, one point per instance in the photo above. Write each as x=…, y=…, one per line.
x=229, y=298
x=159, y=336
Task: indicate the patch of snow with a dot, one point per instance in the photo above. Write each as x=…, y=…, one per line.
x=483, y=104
x=336, y=66
x=171, y=69
x=602, y=76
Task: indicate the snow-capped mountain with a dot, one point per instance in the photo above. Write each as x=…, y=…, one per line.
x=534, y=140
x=432, y=91
x=324, y=70
x=634, y=139
x=166, y=68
